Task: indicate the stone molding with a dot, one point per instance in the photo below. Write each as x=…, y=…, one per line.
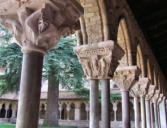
x=151, y=91
x=99, y=60
x=140, y=88
x=125, y=77
x=155, y=97
x=40, y=30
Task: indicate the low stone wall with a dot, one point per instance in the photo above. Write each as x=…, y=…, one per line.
x=79, y=124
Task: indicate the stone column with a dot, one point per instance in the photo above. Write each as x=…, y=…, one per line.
x=125, y=78
x=99, y=61
x=105, y=103
x=163, y=113
x=68, y=111
x=151, y=112
x=77, y=112
x=115, y=110
x=149, y=95
x=158, y=107
x=154, y=101
x=87, y=111
x=137, y=112
x=36, y=30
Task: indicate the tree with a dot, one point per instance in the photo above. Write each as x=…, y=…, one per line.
x=61, y=66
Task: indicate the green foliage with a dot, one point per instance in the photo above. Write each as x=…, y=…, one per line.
x=62, y=64
x=10, y=59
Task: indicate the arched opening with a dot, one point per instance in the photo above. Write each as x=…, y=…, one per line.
x=42, y=111
x=131, y=111
x=64, y=112
x=124, y=41
x=111, y=112
x=83, y=112
x=3, y=111
x=119, y=112
x=72, y=112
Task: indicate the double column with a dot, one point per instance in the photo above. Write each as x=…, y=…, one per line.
x=125, y=77
x=99, y=61
x=36, y=33
x=154, y=101
x=149, y=95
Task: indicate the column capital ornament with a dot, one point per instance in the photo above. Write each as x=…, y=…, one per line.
x=155, y=96
x=99, y=60
x=150, y=93
x=125, y=77
x=140, y=87
x=40, y=30
x=160, y=98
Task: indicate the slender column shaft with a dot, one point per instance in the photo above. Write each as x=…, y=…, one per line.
x=137, y=116
x=105, y=104
x=94, y=104
x=159, y=122
x=155, y=115
x=152, y=118
x=148, y=114
x=115, y=115
x=143, y=114
x=125, y=109
x=163, y=114
x=77, y=113
x=30, y=89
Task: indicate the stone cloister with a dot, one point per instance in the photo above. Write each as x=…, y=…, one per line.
x=111, y=46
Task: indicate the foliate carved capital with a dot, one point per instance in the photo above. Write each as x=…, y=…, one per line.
x=99, y=60
x=125, y=77
x=40, y=30
x=155, y=96
x=140, y=87
x=160, y=98
x=151, y=91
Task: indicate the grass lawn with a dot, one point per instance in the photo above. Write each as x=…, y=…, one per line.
x=13, y=126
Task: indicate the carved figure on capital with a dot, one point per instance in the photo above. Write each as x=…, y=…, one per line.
x=126, y=77
x=150, y=93
x=42, y=28
x=99, y=60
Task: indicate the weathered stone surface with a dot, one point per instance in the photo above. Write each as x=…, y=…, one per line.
x=155, y=97
x=100, y=60
x=40, y=30
x=151, y=91
x=125, y=77
x=160, y=98
x=140, y=87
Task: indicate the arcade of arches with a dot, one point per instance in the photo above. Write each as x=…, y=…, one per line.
x=111, y=45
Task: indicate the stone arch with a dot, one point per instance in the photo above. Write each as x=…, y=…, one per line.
x=150, y=71
x=140, y=60
x=83, y=111
x=72, y=111
x=123, y=40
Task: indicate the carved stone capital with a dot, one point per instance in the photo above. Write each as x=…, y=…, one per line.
x=155, y=96
x=40, y=29
x=150, y=93
x=125, y=77
x=99, y=60
x=140, y=87
x=160, y=98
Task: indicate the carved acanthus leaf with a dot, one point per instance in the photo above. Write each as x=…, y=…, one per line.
x=99, y=60
x=160, y=98
x=151, y=91
x=41, y=29
x=155, y=96
x=125, y=77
